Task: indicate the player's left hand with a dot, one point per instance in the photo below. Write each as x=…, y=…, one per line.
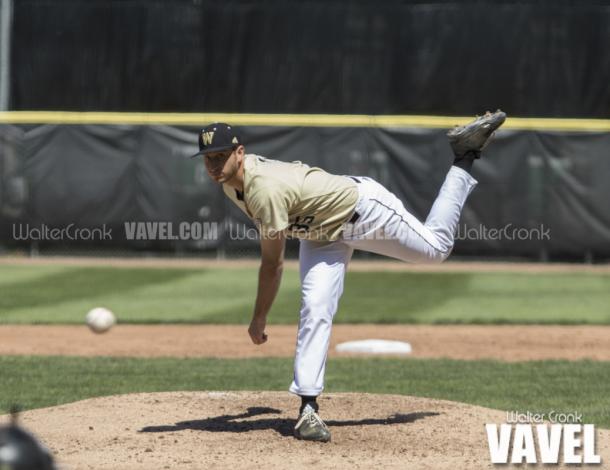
x=257, y=331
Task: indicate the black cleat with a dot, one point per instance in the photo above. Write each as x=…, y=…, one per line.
x=474, y=136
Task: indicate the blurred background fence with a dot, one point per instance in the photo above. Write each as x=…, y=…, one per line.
x=543, y=191
x=542, y=58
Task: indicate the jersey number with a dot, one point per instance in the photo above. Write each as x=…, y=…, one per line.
x=301, y=223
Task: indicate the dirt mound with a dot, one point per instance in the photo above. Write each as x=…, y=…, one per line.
x=198, y=430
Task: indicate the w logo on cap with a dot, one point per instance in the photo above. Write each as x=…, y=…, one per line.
x=217, y=137
x=207, y=137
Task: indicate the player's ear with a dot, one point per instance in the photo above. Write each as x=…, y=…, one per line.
x=240, y=151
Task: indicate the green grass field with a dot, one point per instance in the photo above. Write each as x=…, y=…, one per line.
x=538, y=386
x=60, y=294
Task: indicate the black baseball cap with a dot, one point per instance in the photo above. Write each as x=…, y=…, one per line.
x=217, y=137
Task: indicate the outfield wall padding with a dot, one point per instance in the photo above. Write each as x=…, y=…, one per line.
x=551, y=186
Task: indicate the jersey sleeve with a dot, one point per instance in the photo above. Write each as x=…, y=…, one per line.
x=270, y=211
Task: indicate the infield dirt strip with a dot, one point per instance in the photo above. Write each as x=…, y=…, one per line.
x=506, y=342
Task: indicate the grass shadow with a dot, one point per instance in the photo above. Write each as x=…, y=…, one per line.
x=83, y=283
x=380, y=298
x=408, y=295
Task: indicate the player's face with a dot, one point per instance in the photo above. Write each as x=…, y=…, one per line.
x=221, y=166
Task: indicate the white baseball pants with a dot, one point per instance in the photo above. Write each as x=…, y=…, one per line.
x=385, y=227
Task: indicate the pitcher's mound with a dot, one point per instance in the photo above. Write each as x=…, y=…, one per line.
x=234, y=430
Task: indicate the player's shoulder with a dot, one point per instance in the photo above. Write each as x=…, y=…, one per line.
x=267, y=171
x=258, y=162
x=257, y=168
x=270, y=180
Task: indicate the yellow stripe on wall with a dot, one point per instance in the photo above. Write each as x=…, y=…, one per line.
x=296, y=120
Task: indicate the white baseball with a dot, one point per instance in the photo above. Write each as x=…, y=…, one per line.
x=100, y=319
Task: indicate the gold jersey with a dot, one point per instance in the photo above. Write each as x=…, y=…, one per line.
x=305, y=202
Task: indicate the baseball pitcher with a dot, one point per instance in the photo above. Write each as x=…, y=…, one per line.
x=332, y=215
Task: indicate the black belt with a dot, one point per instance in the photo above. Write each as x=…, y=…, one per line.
x=356, y=216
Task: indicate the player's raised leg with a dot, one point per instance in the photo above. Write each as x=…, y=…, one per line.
x=386, y=227
x=322, y=267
